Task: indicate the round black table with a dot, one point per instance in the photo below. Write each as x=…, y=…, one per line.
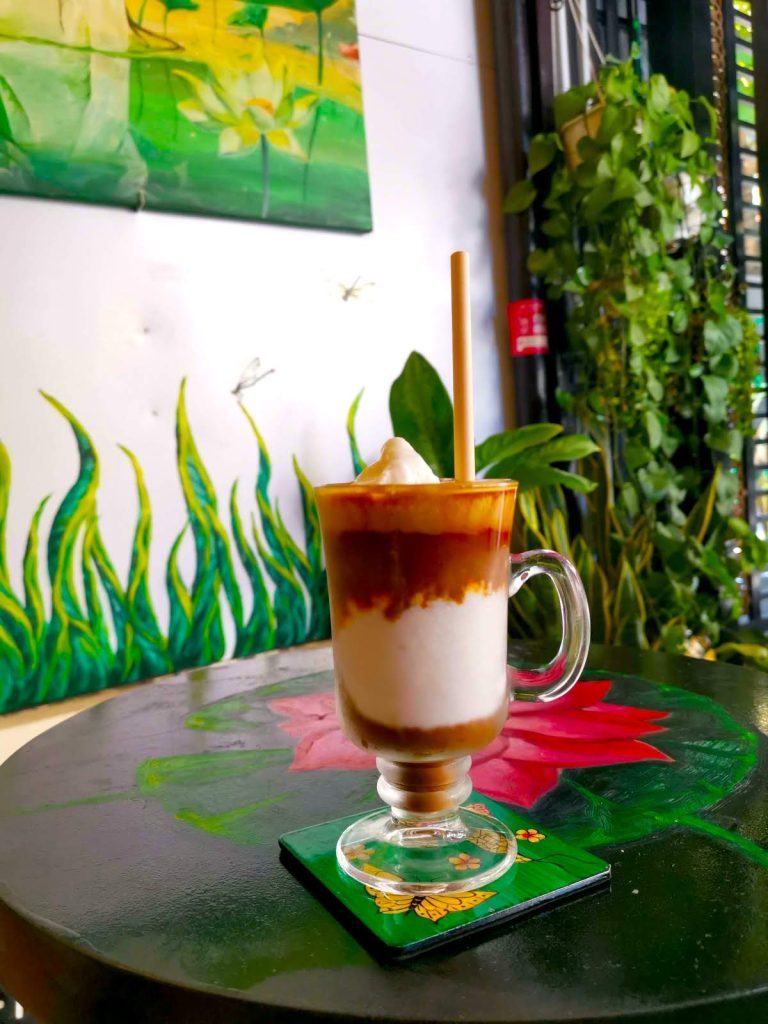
x=140, y=878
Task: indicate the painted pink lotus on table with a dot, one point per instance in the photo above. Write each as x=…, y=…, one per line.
x=581, y=730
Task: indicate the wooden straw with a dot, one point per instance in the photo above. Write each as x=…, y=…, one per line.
x=463, y=419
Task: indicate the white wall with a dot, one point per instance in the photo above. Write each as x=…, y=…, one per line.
x=109, y=309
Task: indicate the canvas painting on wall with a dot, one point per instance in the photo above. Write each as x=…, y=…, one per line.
x=231, y=107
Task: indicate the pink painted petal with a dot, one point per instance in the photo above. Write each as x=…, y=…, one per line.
x=579, y=725
x=581, y=696
x=301, y=726
x=495, y=748
x=629, y=712
x=310, y=705
x=580, y=754
x=514, y=781
x=329, y=749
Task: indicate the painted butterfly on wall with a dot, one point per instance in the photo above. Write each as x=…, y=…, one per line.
x=432, y=908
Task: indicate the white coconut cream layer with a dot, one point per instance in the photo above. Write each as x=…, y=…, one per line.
x=441, y=665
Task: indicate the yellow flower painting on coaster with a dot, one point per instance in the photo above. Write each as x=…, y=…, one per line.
x=529, y=835
x=231, y=107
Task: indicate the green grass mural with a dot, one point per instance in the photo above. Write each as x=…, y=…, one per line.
x=86, y=629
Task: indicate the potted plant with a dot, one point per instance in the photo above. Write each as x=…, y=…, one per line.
x=664, y=357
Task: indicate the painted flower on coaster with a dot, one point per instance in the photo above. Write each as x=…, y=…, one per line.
x=478, y=809
x=358, y=852
x=581, y=730
x=530, y=835
x=464, y=862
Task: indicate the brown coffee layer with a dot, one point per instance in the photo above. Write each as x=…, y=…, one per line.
x=396, y=571
x=447, y=741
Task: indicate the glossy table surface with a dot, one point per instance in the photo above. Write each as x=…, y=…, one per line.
x=140, y=878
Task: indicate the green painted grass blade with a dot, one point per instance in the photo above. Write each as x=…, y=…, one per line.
x=357, y=459
x=122, y=656
x=258, y=633
x=12, y=671
x=288, y=598
x=151, y=649
x=180, y=603
x=101, y=648
x=265, y=463
x=316, y=584
x=5, y=490
x=205, y=638
x=33, y=595
x=78, y=505
x=288, y=602
x=69, y=643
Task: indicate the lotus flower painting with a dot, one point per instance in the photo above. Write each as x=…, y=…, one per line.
x=523, y=763
x=227, y=107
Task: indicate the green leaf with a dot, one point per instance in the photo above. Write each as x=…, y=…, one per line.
x=659, y=94
x=566, y=449
x=520, y=196
x=572, y=103
x=308, y=6
x=531, y=476
x=597, y=201
x=9, y=101
x=540, y=262
x=715, y=387
x=511, y=442
x=541, y=153
x=628, y=613
x=691, y=141
x=422, y=413
x=252, y=15
x=653, y=428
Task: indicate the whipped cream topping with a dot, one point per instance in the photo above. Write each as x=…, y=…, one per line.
x=398, y=463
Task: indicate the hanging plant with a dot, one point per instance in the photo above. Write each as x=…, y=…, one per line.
x=665, y=357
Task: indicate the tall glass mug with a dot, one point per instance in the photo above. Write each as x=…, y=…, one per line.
x=419, y=578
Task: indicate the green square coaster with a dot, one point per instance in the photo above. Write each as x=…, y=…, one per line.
x=546, y=870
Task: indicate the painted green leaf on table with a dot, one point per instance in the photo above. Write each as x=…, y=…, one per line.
x=712, y=756
x=205, y=790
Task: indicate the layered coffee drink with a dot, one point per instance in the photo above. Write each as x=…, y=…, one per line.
x=418, y=573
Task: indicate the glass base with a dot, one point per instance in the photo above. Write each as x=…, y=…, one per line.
x=423, y=854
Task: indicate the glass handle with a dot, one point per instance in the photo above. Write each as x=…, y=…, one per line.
x=566, y=666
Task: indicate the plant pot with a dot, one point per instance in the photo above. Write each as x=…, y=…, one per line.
x=573, y=131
